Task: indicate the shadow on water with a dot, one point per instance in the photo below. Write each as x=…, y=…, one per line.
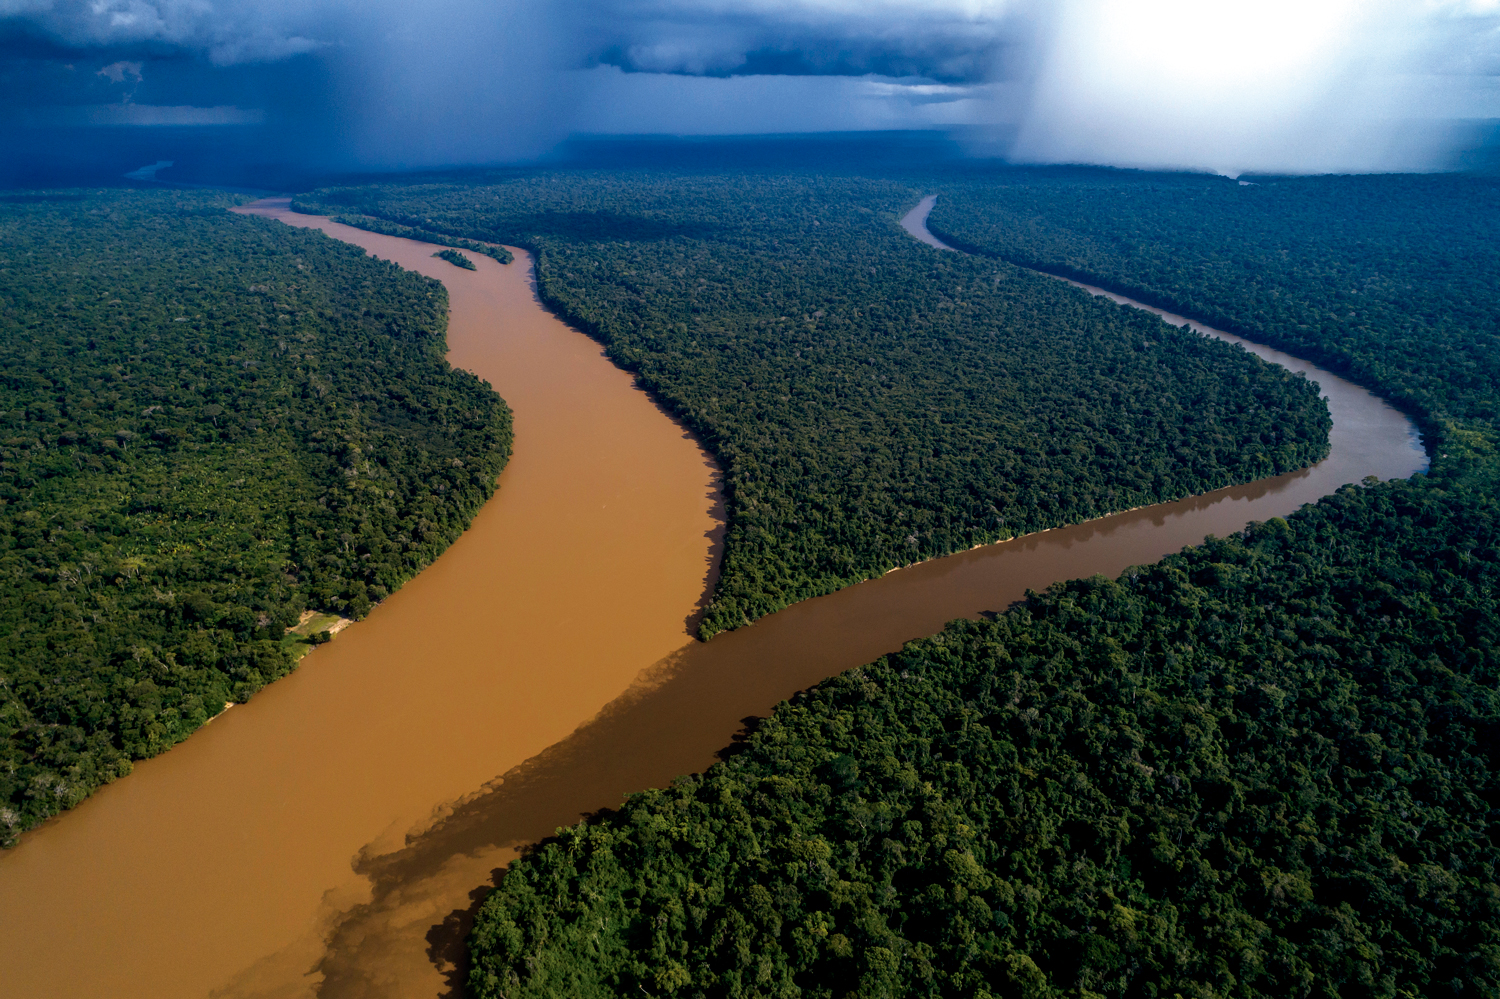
x=672, y=721
x=680, y=714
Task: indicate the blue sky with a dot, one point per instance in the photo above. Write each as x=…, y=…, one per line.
x=1304, y=85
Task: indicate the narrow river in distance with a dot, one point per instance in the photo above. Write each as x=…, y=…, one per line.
x=334, y=836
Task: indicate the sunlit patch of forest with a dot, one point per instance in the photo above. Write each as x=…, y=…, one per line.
x=874, y=403
x=1263, y=767
x=208, y=424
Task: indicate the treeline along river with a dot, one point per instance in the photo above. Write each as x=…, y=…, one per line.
x=226, y=863
x=874, y=404
x=235, y=847
x=1262, y=766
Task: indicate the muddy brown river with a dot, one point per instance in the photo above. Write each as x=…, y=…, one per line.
x=333, y=836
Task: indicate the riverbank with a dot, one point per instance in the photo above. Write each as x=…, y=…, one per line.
x=227, y=863
x=1136, y=727
x=681, y=716
x=221, y=863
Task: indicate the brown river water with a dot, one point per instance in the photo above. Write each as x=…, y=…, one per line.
x=334, y=836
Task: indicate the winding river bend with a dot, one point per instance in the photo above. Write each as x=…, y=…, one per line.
x=327, y=838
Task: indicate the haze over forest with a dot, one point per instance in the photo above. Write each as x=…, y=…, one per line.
x=1280, y=86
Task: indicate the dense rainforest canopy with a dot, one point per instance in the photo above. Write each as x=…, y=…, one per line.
x=874, y=403
x=388, y=228
x=1389, y=280
x=209, y=423
x=1263, y=767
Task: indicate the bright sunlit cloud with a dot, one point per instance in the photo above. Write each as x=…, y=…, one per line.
x=1279, y=85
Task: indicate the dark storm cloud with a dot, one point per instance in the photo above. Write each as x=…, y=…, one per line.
x=226, y=33
x=948, y=42
x=1280, y=84
x=809, y=57
x=935, y=38
x=386, y=83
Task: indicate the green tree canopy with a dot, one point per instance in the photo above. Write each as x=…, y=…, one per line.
x=874, y=402
x=208, y=424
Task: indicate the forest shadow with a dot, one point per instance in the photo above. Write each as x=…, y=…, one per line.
x=740, y=741
x=719, y=511
x=682, y=715
x=993, y=615
x=447, y=940
x=602, y=761
x=603, y=227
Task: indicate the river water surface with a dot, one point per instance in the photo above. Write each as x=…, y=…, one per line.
x=222, y=860
x=330, y=837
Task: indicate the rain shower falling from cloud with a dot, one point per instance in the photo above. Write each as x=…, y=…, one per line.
x=1297, y=85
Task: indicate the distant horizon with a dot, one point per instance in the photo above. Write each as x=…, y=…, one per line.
x=250, y=157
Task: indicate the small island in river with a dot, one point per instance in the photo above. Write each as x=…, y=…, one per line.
x=456, y=259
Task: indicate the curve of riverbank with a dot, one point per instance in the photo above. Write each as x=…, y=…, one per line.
x=222, y=860
x=1364, y=427
x=395, y=924
x=679, y=719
